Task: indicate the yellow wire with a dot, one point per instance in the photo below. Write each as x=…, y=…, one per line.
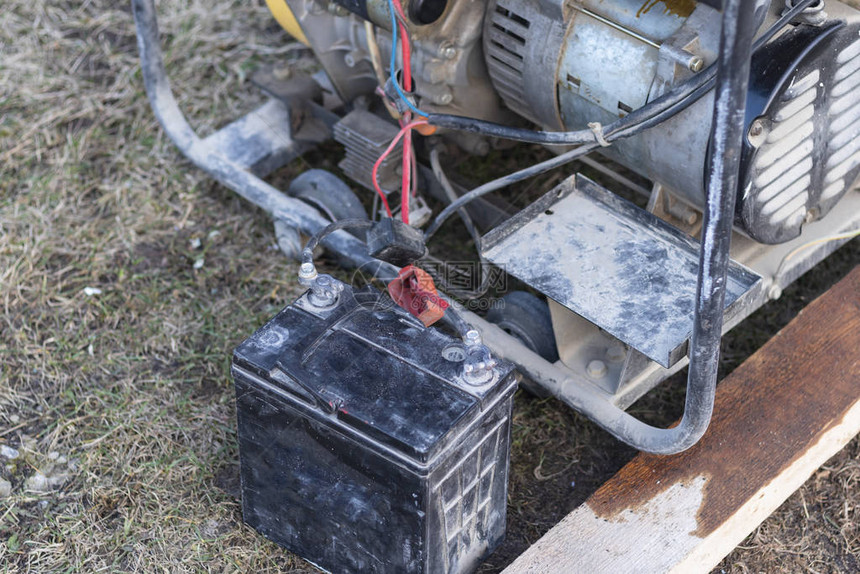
x=847, y=235
x=819, y=241
x=375, y=56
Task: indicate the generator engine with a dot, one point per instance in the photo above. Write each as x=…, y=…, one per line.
x=564, y=65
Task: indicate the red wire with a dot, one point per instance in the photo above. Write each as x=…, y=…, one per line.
x=374, y=174
x=405, y=47
x=406, y=171
x=406, y=165
x=408, y=161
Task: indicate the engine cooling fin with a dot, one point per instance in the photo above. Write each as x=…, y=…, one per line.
x=506, y=36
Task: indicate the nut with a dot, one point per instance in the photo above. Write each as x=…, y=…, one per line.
x=473, y=337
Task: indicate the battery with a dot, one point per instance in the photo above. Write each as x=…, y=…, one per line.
x=364, y=446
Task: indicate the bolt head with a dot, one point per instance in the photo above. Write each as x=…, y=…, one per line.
x=596, y=369
x=775, y=292
x=616, y=353
x=696, y=64
x=757, y=132
x=756, y=128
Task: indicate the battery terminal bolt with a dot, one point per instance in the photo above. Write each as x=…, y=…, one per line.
x=479, y=366
x=324, y=289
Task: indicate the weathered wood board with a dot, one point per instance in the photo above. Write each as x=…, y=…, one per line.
x=777, y=418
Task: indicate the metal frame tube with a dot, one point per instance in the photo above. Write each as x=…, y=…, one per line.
x=727, y=130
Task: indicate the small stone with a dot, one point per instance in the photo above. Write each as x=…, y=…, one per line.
x=38, y=483
x=7, y=451
x=14, y=419
x=196, y=243
x=53, y=455
x=58, y=480
x=62, y=460
x=5, y=488
x=199, y=263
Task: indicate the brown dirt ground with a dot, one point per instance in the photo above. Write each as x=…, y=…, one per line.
x=120, y=401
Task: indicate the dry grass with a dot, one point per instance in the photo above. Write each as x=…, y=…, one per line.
x=121, y=399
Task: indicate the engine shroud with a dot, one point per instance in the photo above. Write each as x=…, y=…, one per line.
x=802, y=151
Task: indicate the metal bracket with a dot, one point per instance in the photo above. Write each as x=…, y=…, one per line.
x=622, y=268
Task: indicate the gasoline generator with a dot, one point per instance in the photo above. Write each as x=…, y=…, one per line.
x=374, y=418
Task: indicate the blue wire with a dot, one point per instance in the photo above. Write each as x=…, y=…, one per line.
x=393, y=66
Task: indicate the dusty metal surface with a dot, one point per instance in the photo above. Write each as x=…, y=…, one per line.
x=618, y=266
x=259, y=141
x=364, y=137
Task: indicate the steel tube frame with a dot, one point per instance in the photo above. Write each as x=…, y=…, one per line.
x=737, y=30
x=727, y=131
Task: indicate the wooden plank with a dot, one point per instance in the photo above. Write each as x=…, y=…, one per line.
x=777, y=418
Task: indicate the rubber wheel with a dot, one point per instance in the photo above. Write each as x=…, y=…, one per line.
x=330, y=195
x=527, y=318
